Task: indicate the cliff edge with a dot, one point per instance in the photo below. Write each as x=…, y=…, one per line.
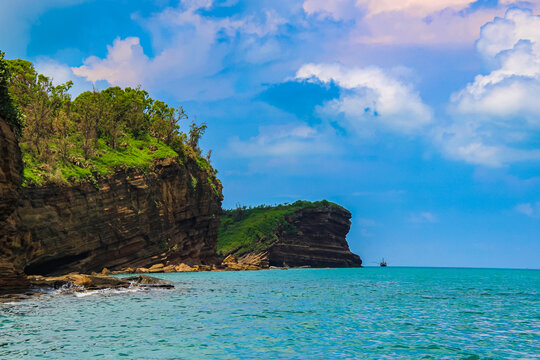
x=11, y=274
x=301, y=234
x=132, y=218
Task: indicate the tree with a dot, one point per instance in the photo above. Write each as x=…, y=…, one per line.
x=86, y=119
x=195, y=134
x=165, y=123
x=39, y=101
x=8, y=110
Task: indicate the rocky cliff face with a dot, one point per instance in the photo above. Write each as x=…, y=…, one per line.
x=313, y=236
x=169, y=215
x=11, y=275
x=131, y=219
x=318, y=241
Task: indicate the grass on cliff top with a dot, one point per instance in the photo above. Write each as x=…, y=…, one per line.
x=132, y=153
x=246, y=230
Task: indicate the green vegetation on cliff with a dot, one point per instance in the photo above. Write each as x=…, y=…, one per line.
x=244, y=230
x=8, y=111
x=65, y=140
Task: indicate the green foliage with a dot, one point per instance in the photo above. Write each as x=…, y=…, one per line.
x=195, y=134
x=244, y=230
x=66, y=141
x=193, y=183
x=8, y=111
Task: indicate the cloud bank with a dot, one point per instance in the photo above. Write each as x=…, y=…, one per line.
x=497, y=115
x=373, y=98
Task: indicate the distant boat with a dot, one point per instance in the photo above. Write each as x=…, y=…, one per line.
x=382, y=263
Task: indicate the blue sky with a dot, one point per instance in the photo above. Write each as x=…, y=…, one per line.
x=422, y=117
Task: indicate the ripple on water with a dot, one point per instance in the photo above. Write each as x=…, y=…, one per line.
x=313, y=314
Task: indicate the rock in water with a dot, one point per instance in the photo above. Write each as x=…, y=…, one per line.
x=98, y=282
x=149, y=281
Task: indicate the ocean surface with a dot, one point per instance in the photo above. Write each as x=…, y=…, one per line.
x=370, y=313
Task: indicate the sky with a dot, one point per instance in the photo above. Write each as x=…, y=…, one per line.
x=421, y=117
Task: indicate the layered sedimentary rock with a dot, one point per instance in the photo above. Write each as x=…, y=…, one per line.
x=315, y=237
x=130, y=219
x=319, y=240
x=11, y=275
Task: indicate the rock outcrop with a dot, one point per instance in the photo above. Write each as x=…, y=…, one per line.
x=11, y=276
x=169, y=215
x=312, y=236
x=97, y=282
x=318, y=241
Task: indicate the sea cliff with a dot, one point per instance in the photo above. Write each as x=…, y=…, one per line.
x=131, y=218
x=300, y=234
x=11, y=272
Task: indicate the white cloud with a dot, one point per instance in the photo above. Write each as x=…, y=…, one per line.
x=480, y=144
x=372, y=98
x=513, y=44
x=365, y=233
x=337, y=9
x=529, y=209
x=190, y=49
x=124, y=65
x=341, y=9
x=283, y=141
x=61, y=73
x=365, y=222
x=409, y=21
x=423, y=217
x=497, y=113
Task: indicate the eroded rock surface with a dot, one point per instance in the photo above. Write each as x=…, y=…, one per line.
x=318, y=241
x=97, y=282
x=315, y=237
x=169, y=215
x=131, y=219
x=11, y=276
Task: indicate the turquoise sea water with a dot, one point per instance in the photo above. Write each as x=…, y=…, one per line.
x=371, y=313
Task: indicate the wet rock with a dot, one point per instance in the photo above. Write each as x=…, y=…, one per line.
x=148, y=281
x=96, y=282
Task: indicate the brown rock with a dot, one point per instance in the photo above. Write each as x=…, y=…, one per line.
x=184, y=268
x=156, y=268
x=318, y=240
x=12, y=277
x=244, y=263
x=169, y=269
x=97, y=282
x=130, y=219
x=148, y=281
x=88, y=282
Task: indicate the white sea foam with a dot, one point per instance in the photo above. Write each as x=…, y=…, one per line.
x=110, y=291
